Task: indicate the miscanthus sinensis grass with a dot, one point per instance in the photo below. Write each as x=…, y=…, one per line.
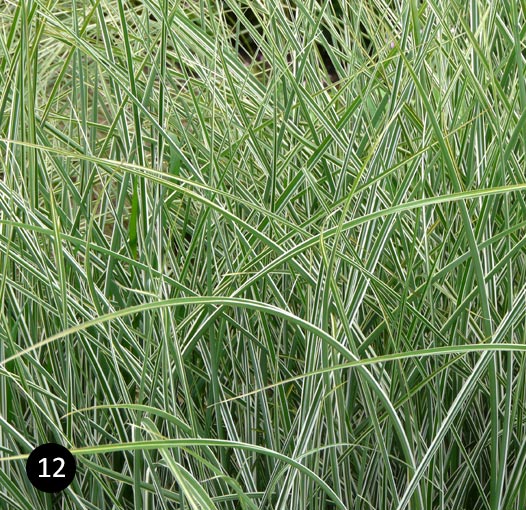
x=264, y=255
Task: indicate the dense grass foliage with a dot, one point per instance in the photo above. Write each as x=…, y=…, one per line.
x=264, y=254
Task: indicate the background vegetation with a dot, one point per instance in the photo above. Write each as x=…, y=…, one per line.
x=264, y=254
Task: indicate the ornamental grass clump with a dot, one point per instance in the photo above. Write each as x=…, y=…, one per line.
x=264, y=255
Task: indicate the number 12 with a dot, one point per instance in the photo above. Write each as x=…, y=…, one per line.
x=57, y=472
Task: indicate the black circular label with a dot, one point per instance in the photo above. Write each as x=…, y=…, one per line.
x=50, y=467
